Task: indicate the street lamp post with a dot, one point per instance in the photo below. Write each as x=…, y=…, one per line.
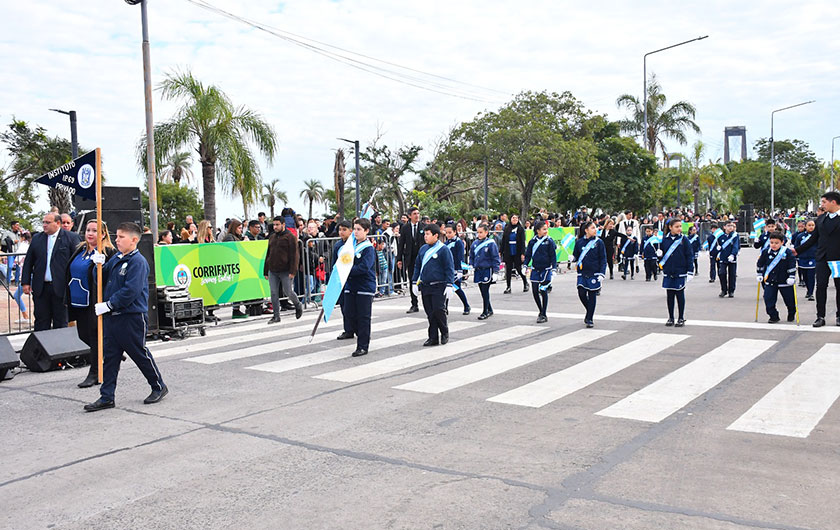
x=150, y=123
x=832, y=162
x=644, y=79
x=773, y=155
x=358, y=197
x=74, y=138
x=486, y=185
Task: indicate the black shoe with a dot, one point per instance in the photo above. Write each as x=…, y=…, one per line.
x=430, y=342
x=722, y=295
x=467, y=310
x=359, y=352
x=89, y=381
x=647, y=279
x=611, y=276
x=507, y=291
x=623, y=276
x=156, y=395
x=483, y=316
x=344, y=335
x=590, y=324
x=731, y=295
x=413, y=309
x=837, y=321
x=680, y=323
x=274, y=320
x=489, y=313
x=669, y=322
x=810, y=298
x=444, y=338
x=99, y=404
x=773, y=320
x=819, y=322
x=541, y=319
x=712, y=281
x=791, y=317
x=299, y=311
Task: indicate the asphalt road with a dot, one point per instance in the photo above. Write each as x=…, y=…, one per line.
x=722, y=424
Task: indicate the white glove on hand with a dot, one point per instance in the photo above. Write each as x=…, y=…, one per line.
x=448, y=292
x=791, y=281
x=599, y=276
x=101, y=308
x=759, y=278
x=731, y=258
x=658, y=253
x=97, y=258
x=689, y=277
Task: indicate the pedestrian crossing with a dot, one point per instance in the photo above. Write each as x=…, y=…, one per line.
x=476, y=352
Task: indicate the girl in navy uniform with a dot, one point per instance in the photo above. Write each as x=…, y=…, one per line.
x=629, y=248
x=541, y=254
x=728, y=246
x=360, y=287
x=456, y=247
x=694, y=239
x=484, y=256
x=676, y=260
x=776, y=269
x=807, y=260
x=591, y=258
x=711, y=244
x=650, y=245
x=800, y=232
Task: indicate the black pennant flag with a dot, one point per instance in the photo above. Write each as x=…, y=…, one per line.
x=77, y=177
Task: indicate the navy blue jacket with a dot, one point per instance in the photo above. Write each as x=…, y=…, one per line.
x=595, y=261
x=649, y=249
x=786, y=268
x=730, y=250
x=711, y=242
x=440, y=268
x=681, y=261
x=362, y=277
x=488, y=257
x=546, y=255
x=762, y=239
x=629, y=247
x=799, y=239
x=126, y=280
x=456, y=248
x=695, y=243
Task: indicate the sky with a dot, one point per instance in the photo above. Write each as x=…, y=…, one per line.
x=86, y=56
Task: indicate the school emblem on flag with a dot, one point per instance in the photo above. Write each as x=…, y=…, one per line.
x=835, y=268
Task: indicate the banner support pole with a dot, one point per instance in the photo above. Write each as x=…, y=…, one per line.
x=99, y=234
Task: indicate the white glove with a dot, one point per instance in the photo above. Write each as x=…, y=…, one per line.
x=658, y=253
x=689, y=277
x=599, y=276
x=731, y=258
x=97, y=258
x=791, y=281
x=448, y=291
x=101, y=308
x=759, y=278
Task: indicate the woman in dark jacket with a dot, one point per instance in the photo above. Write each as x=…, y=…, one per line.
x=513, y=250
x=609, y=235
x=81, y=294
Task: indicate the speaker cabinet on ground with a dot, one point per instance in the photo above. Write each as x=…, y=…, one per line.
x=8, y=357
x=113, y=198
x=45, y=350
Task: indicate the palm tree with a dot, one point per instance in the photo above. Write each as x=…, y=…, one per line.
x=313, y=191
x=176, y=167
x=221, y=133
x=671, y=122
x=247, y=183
x=273, y=195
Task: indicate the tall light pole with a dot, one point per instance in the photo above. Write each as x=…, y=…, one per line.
x=644, y=77
x=358, y=197
x=832, y=162
x=150, y=123
x=773, y=154
x=74, y=138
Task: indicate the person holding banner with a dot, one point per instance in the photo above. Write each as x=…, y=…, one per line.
x=776, y=271
x=677, y=265
x=541, y=256
x=456, y=247
x=81, y=294
x=650, y=245
x=826, y=238
x=484, y=256
x=434, y=275
x=590, y=255
x=711, y=244
x=807, y=260
x=727, y=258
x=360, y=287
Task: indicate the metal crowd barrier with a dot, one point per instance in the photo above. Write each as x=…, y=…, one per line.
x=14, y=301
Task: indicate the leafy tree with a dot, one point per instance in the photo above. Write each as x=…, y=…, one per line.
x=273, y=194
x=175, y=202
x=383, y=172
x=313, y=191
x=795, y=155
x=177, y=167
x=753, y=179
x=16, y=204
x=663, y=121
x=223, y=135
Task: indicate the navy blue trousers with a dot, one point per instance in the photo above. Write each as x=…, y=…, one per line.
x=434, y=304
x=126, y=333
x=727, y=272
x=357, y=311
x=771, y=293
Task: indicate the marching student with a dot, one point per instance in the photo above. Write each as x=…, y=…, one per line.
x=763, y=240
x=694, y=239
x=434, y=274
x=776, y=270
x=345, y=228
x=360, y=287
x=677, y=265
x=541, y=254
x=800, y=232
x=650, y=245
x=591, y=258
x=807, y=259
x=628, y=254
x=711, y=243
x=484, y=256
x=728, y=246
x=126, y=306
x=456, y=247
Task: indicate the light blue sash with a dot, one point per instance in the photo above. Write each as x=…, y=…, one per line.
x=428, y=255
x=775, y=262
x=671, y=249
x=481, y=245
x=729, y=241
x=692, y=239
x=537, y=244
x=589, y=246
x=624, y=247
x=361, y=246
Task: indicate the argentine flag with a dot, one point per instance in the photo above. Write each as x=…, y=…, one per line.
x=338, y=276
x=758, y=226
x=835, y=268
x=567, y=241
x=367, y=210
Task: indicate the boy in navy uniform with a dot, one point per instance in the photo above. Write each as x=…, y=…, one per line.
x=807, y=259
x=360, y=288
x=484, y=256
x=434, y=274
x=728, y=246
x=541, y=255
x=456, y=247
x=763, y=241
x=344, y=231
x=650, y=245
x=711, y=243
x=126, y=283
x=776, y=269
x=628, y=254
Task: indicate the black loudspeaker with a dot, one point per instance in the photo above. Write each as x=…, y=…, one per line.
x=154, y=318
x=8, y=357
x=45, y=350
x=113, y=198
x=114, y=217
x=146, y=246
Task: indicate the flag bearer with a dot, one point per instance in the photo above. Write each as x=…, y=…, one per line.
x=541, y=254
x=344, y=231
x=776, y=270
x=676, y=260
x=456, y=247
x=484, y=256
x=591, y=257
x=807, y=259
x=728, y=246
x=650, y=245
x=360, y=287
x=628, y=254
x=434, y=274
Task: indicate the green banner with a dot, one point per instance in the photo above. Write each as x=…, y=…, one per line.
x=562, y=235
x=219, y=273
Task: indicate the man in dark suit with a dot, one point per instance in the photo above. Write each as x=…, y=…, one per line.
x=411, y=239
x=826, y=236
x=44, y=272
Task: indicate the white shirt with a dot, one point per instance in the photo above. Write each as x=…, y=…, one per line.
x=50, y=246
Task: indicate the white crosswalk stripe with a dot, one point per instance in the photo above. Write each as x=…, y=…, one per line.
x=427, y=355
x=659, y=400
x=334, y=354
x=502, y=363
x=287, y=346
x=797, y=404
x=559, y=384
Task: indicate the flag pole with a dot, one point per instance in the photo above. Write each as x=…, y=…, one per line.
x=99, y=235
x=317, y=322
